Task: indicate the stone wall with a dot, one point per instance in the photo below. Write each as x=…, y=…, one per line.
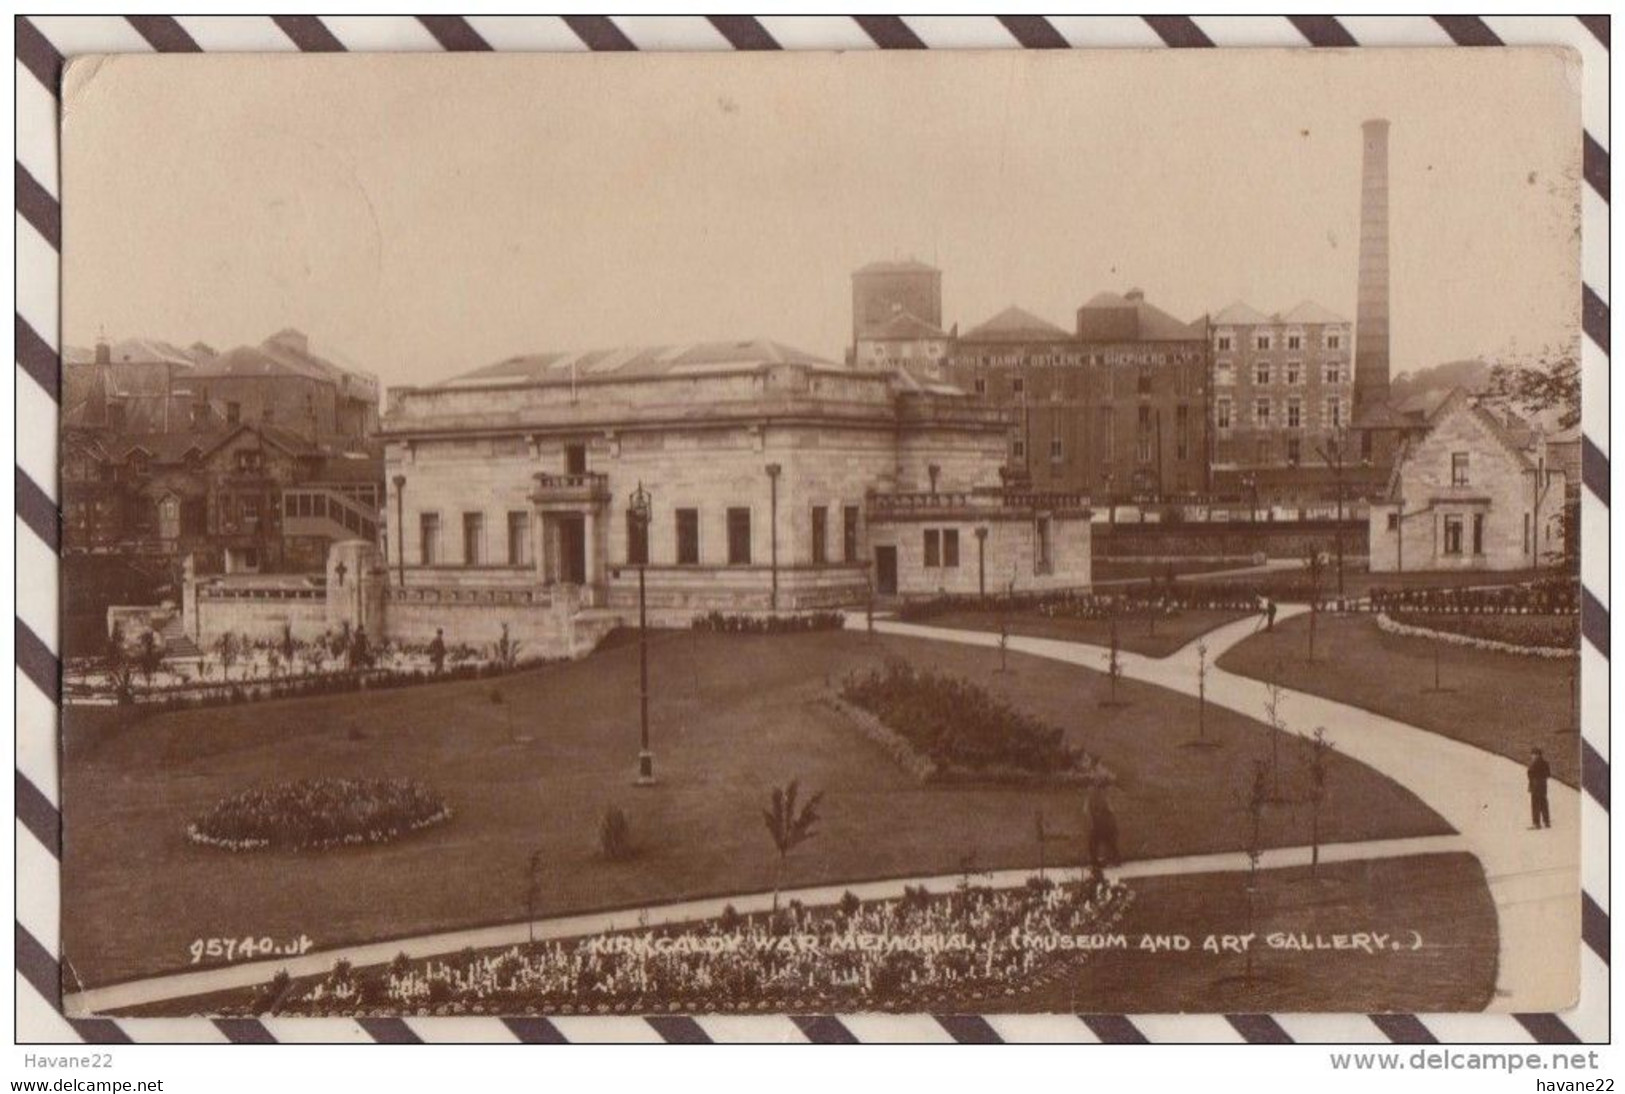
x=256, y=614
x=1011, y=555
x=1286, y=539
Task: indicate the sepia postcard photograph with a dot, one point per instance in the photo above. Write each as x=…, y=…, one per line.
x=827, y=533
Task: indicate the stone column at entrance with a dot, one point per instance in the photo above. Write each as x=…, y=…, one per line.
x=589, y=547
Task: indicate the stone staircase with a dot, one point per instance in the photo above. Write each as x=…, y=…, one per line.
x=178, y=645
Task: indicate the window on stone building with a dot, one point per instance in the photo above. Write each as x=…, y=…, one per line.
x=518, y=538
x=1224, y=374
x=933, y=548
x=1143, y=437
x=1018, y=449
x=981, y=385
x=1294, y=341
x=429, y=538
x=849, y=533
x=1222, y=413
x=1057, y=451
x=1334, y=341
x=1458, y=469
x=1182, y=432
x=950, y=547
x=1294, y=413
x=1018, y=386
x=820, y=534
x=1294, y=372
x=1043, y=557
x=1294, y=451
x=1452, y=534
x=1262, y=342
x=738, y=536
x=1261, y=374
x=1478, y=533
x=688, y=537
x=1224, y=341
x=1261, y=413
x=1393, y=522
x=1144, y=383
x=1334, y=374
x=473, y=539
x=637, y=541
x=575, y=459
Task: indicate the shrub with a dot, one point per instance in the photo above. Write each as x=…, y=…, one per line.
x=317, y=813
x=615, y=835
x=960, y=725
x=1528, y=631
x=769, y=624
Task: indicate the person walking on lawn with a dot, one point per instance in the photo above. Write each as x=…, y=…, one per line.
x=1540, y=810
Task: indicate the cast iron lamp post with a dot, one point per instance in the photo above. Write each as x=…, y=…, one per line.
x=638, y=510
x=400, y=530
x=773, y=470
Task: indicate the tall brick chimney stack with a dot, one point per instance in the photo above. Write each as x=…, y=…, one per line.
x=1371, y=371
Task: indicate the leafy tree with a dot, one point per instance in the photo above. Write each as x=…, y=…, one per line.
x=1546, y=383
x=149, y=656
x=226, y=645
x=116, y=663
x=790, y=823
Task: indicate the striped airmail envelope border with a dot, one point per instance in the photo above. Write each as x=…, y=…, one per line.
x=42, y=42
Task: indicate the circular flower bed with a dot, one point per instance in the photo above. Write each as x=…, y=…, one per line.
x=315, y=813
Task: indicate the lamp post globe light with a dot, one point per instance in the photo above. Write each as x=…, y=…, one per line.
x=638, y=511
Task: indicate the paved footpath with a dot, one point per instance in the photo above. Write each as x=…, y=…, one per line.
x=1534, y=876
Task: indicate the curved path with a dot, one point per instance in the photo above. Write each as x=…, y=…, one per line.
x=1534, y=876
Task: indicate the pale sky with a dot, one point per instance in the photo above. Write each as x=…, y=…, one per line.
x=420, y=216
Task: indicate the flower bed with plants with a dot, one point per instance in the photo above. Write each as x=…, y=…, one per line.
x=313, y=814
x=945, y=728
x=1537, y=635
x=236, y=670
x=924, y=949
x=1552, y=596
x=722, y=623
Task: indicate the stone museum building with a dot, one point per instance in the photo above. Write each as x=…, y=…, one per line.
x=778, y=482
x=1478, y=490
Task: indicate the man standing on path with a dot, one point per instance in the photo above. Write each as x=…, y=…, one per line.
x=1540, y=811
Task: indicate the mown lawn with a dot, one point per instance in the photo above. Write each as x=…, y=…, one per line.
x=732, y=716
x=1153, y=638
x=1442, y=898
x=1505, y=702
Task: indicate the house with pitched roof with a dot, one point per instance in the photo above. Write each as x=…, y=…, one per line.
x=1479, y=489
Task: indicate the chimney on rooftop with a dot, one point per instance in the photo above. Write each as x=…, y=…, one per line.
x=1371, y=362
